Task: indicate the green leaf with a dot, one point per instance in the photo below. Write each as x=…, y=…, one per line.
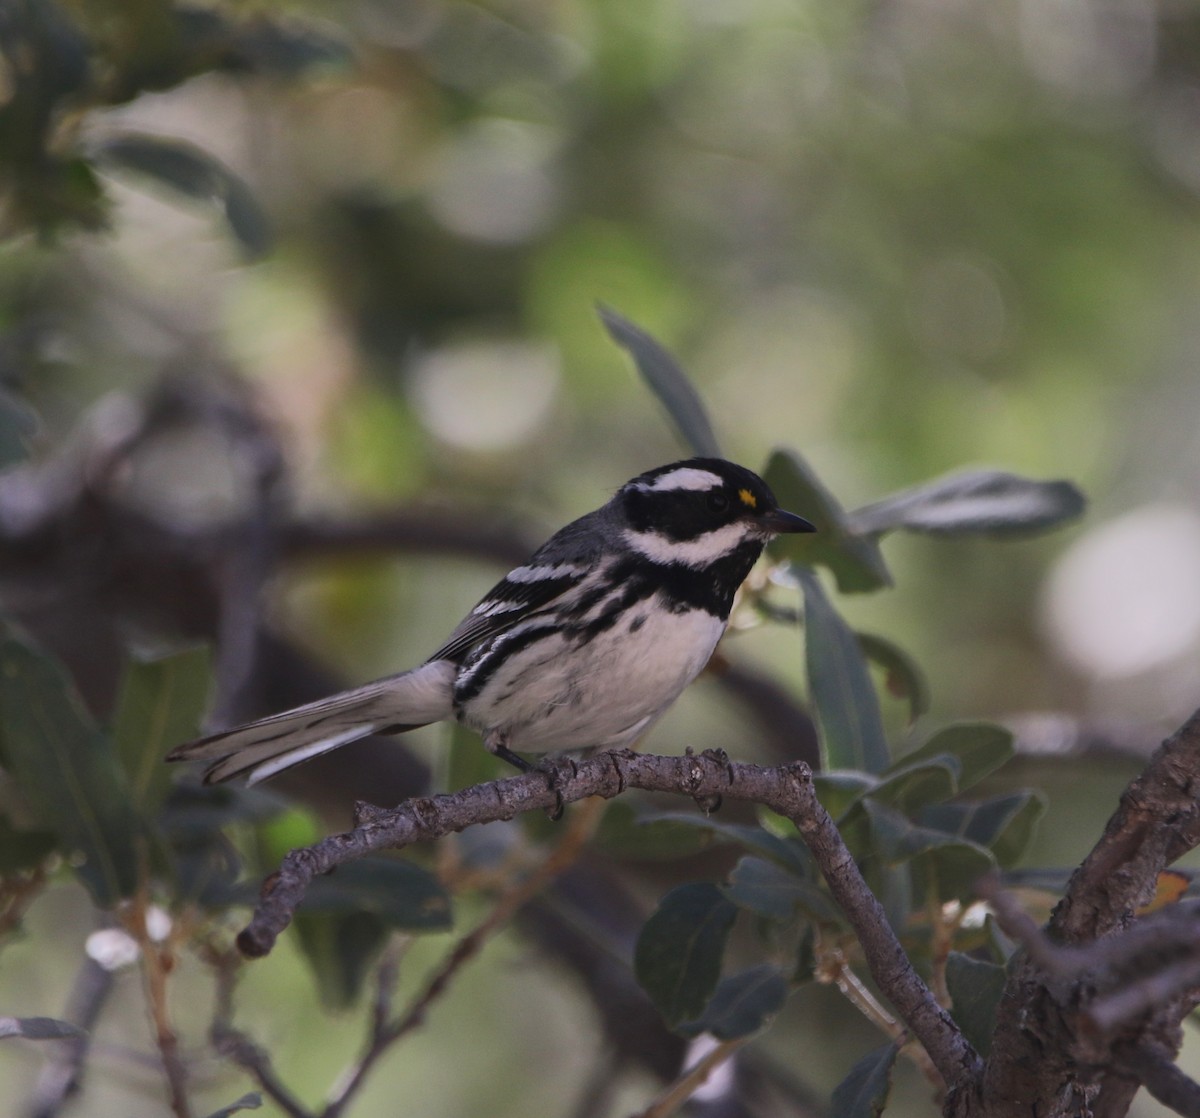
x=948, y=864
x=284, y=831
x=770, y=891
x=864, y=1092
x=195, y=174
x=742, y=1005
x=1005, y=824
x=38, y=1028
x=790, y=853
x=210, y=874
x=855, y=560
x=913, y=786
x=284, y=49
x=251, y=1101
x=340, y=949
x=401, y=893
x=677, y=959
x=347, y=917
x=975, y=501
x=975, y=988
x=161, y=704
x=66, y=770
x=195, y=811
x=22, y=850
x=980, y=747
x=626, y=833
x=902, y=677
x=667, y=381
x=840, y=687
x=839, y=791
x=18, y=423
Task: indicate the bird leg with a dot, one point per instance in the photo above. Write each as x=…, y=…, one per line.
x=496, y=743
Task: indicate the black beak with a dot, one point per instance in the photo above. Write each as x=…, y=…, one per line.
x=778, y=521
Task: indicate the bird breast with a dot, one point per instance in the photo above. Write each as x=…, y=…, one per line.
x=563, y=690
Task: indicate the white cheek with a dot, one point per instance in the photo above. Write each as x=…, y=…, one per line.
x=699, y=552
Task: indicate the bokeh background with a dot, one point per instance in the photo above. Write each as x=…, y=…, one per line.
x=902, y=237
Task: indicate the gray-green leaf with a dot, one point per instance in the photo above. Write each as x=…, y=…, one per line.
x=840, y=687
x=195, y=174
x=161, y=704
x=903, y=678
x=678, y=955
x=67, y=771
x=1004, y=824
x=401, y=893
x=864, y=1092
x=770, y=891
x=39, y=1028
x=854, y=559
x=980, y=747
x=250, y=1101
x=976, y=501
x=667, y=381
x=743, y=1003
x=791, y=854
x=975, y=988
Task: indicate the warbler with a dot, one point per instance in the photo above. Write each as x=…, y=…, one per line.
x=584, y=646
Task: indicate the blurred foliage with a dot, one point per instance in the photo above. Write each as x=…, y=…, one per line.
x=915, y=242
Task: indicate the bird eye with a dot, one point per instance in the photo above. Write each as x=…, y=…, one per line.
x=718, y=500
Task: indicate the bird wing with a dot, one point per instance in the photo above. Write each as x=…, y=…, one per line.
x=409, y=699
x=554, y=570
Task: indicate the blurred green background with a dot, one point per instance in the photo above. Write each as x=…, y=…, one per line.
x=902, y=237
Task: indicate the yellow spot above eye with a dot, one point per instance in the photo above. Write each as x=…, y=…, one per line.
x=748, y=498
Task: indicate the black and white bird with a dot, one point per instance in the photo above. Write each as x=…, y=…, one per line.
x=584, y=646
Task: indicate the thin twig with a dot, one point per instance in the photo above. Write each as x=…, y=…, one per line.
x=1130, y=972
x=385, y=1034
x=156, y=964
x=236, y=1045
x=16, y=895
x=63, y=1074
x=693, y=1078
x=1155, y=1069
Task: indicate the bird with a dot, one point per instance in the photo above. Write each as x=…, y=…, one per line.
x=582, y=647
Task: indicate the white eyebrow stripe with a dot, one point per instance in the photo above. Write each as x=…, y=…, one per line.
x=542, y=573
x=686, y=477
x=699, y=552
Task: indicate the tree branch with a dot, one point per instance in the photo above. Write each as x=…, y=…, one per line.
x=1053, y=1027
x=1154, y=1067
x=62, y=1075
x=787, y=790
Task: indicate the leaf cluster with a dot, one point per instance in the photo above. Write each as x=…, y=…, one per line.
x=96, y=802
x=60, y=63
x=903, y=808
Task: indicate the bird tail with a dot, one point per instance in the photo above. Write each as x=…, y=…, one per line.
x=270, y=745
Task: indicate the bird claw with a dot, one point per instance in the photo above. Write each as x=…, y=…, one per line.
x=554, y=770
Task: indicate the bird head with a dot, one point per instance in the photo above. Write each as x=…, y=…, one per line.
x=697, y=511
